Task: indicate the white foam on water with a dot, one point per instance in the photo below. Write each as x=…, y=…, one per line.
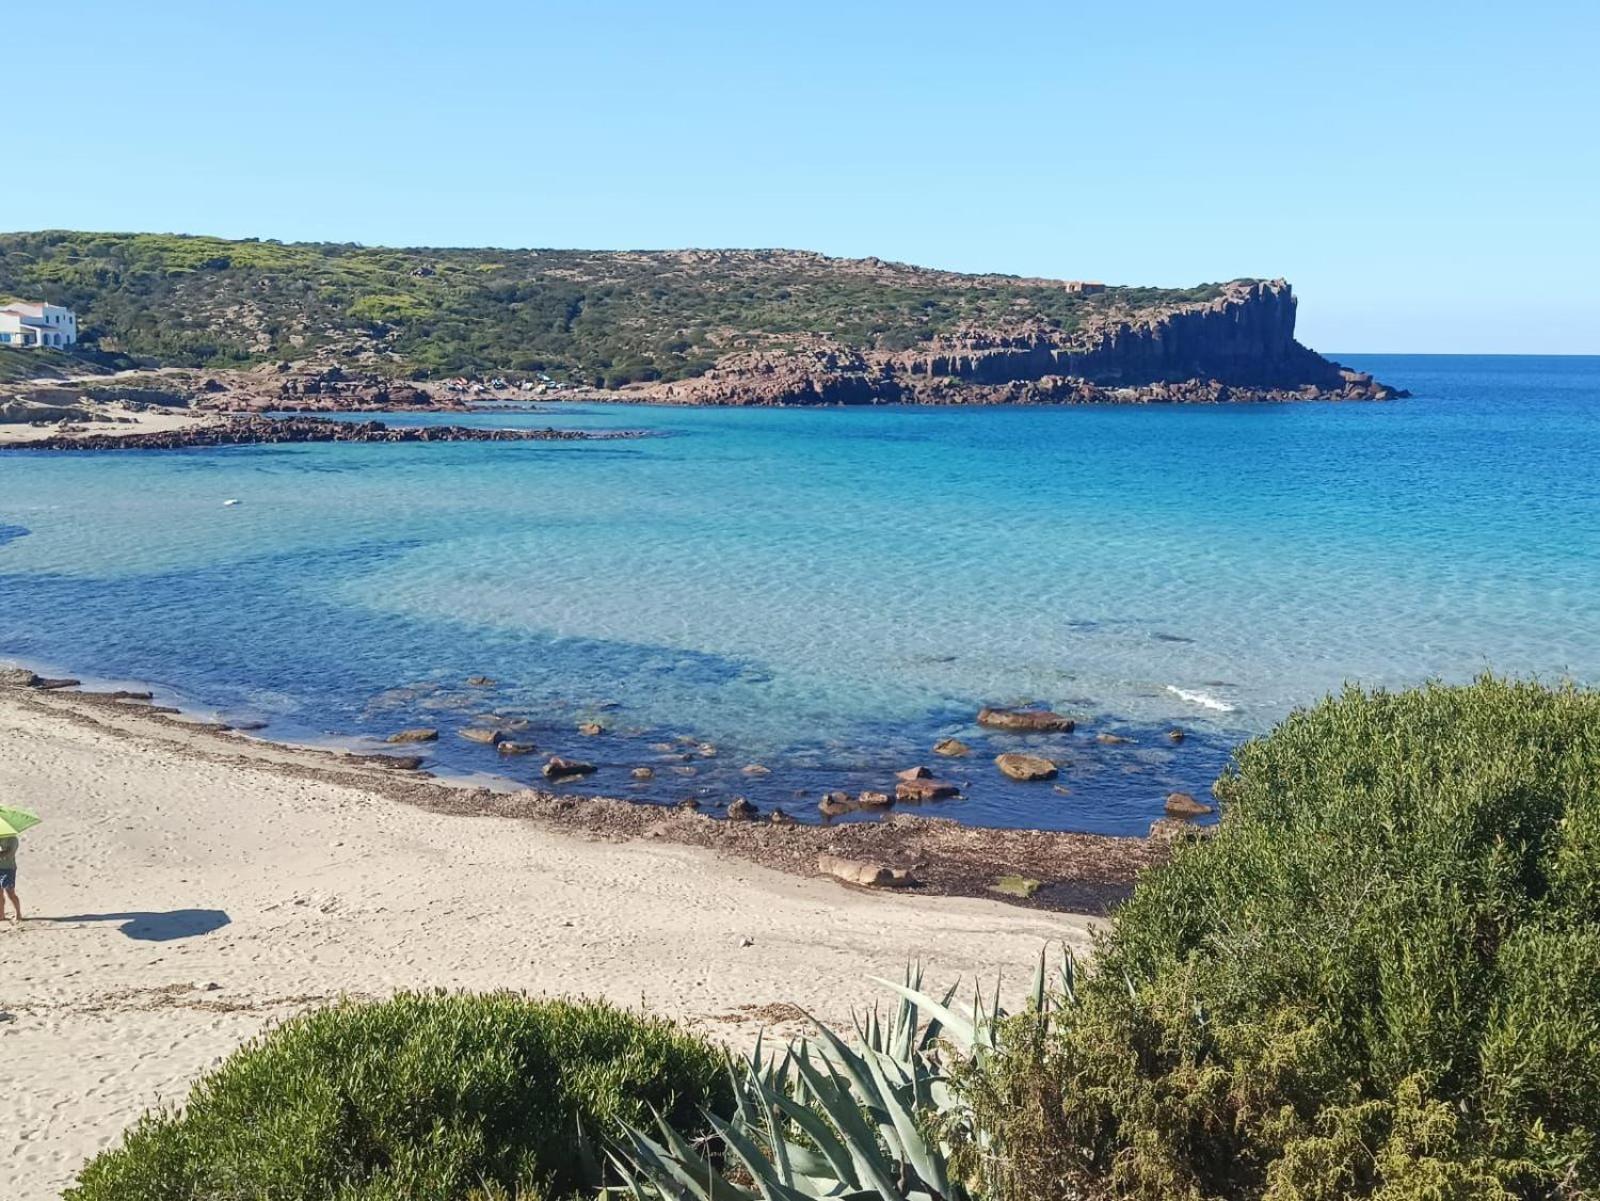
x=1204, y=699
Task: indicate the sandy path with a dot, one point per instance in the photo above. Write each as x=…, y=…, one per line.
x=177, y=905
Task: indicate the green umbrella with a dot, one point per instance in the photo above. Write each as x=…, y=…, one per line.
x=15, y=821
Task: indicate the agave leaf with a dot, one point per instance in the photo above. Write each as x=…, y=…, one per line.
x=931, y=1032
x=686, y=1164
x=758, y=1165
x=858, y=1137
x=661, y=1168
x=635, y=1189
x=1036, y=996
x=927, y=1162
x=960, y=1030
x=827, y=1142
x=863, y=1084
x=588, y=1164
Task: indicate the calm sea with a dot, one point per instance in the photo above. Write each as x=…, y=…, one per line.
x=827, y=592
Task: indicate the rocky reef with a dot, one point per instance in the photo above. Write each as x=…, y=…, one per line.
x=1239, y=346
x=251, y=431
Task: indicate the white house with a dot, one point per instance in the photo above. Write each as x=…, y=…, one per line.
x=23, y=324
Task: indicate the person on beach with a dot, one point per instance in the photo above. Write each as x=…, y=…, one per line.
x=8, y=876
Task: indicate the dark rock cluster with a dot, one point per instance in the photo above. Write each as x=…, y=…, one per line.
x=251, y=431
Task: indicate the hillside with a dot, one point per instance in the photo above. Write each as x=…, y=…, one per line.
x=793, y=325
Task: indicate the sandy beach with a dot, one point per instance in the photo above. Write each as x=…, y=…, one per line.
x=114, y=421
x=186, y=892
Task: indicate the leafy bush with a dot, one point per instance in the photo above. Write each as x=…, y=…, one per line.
x=1380, y=978
x=422, y=1096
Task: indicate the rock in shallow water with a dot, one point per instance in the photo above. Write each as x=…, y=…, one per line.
x=951, y=748
x=836, y=804
x=420, y=734
x=925, y=790
x=557, y=768
x=1025, y=767
x=1183, y=804
x=1033, y=721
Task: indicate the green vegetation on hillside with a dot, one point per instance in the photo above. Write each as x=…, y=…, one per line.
x=422, y=1096
x=1381, y=977
x=596, y=317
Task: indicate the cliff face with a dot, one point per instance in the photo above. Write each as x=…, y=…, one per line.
x=1239, y=346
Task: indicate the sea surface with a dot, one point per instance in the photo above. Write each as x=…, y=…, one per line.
x=825, y=593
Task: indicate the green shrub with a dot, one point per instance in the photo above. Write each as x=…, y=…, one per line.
x=1381, y=977
x=422, y=1096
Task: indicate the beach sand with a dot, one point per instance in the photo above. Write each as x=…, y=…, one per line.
x=120, y=423
x=183, y=894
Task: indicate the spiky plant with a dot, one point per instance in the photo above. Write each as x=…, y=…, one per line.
x=873, y=1120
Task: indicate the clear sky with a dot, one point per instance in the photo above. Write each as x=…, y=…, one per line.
x=1427, y=174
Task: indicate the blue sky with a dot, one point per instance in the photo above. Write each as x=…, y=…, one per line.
x=1425, y=173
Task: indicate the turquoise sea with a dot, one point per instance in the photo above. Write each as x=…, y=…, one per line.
x=827, y=592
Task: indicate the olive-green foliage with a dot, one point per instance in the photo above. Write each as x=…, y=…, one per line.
x=422, y=1096
x=595, y=317
x=1381, y=978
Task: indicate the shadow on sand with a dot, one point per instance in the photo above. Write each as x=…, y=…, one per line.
x=156, y=927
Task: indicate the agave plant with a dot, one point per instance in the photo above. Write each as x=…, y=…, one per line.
x=867, y=1121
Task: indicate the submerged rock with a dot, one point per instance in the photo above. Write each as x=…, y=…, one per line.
x=1033, y=721
x=557, y=768
x=1025, y=767
x=1112, y=739
x=419, y=734
x=643, y=773
x=1175, y=735
x=516, y=748
x=488, y=735
x=951, y=748
x=592, y=728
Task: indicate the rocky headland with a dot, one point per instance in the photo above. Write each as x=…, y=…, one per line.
x=1239, y=346
x=252, y=326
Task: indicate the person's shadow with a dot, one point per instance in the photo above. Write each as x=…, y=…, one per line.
x=156, y=927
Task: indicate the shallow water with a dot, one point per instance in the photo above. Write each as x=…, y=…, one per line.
x=827, y=592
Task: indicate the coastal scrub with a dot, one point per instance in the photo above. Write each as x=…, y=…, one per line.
x=1380, y=978
x=437, y=1096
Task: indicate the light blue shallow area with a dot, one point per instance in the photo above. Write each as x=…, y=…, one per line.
x=828, y=591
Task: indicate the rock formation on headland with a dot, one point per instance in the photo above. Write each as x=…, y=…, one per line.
x=1239, y=346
